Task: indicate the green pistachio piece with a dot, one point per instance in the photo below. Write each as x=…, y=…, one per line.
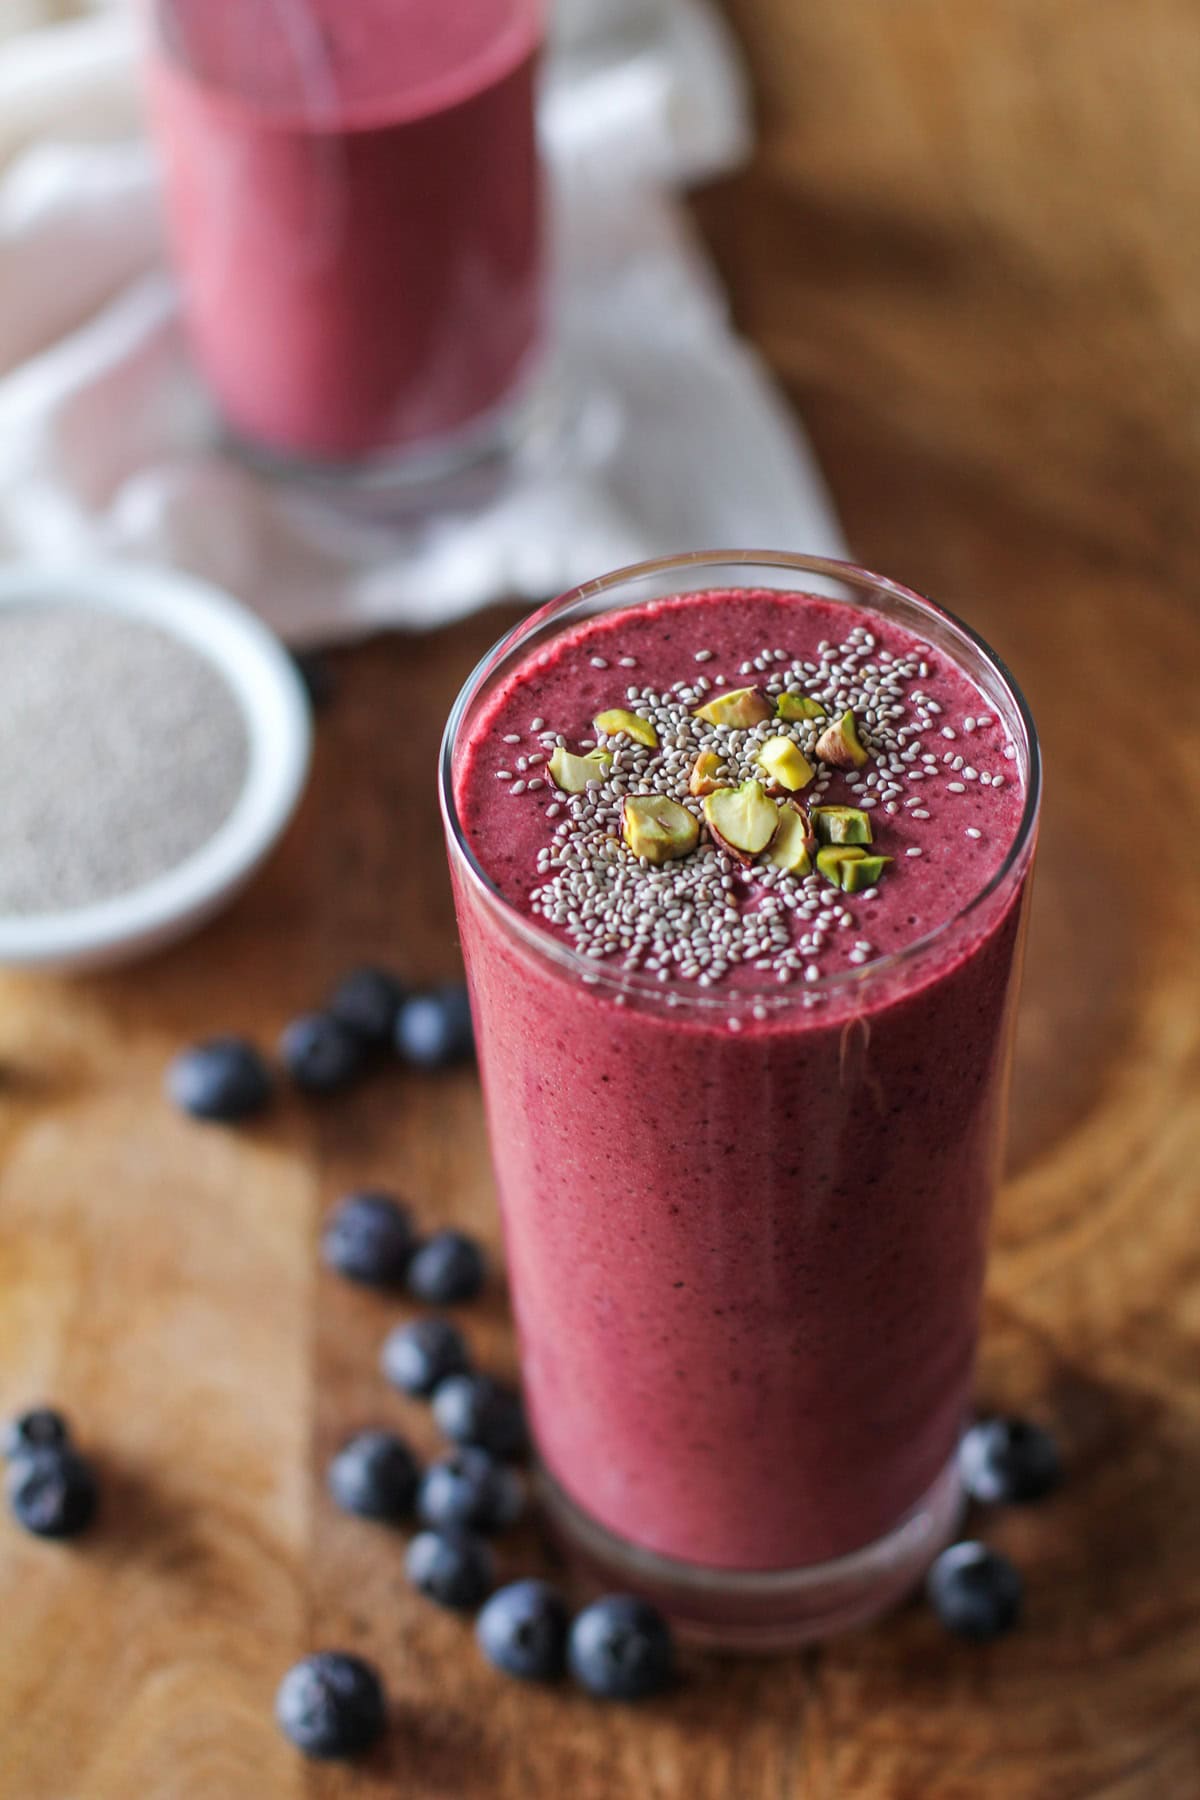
x=742, y=820
x=658, y=828
x=572, y=773
x=785, y=764
x=842, y=825
x=791, y=847
x=706, y=775
x=863, y=872
x=832, y=859
x=798, y=706
x=840, y=746
x=618, y=722
x=738, y=709
x=849, y=867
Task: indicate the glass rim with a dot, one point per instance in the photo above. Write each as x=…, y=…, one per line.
x=321, y=112
x=542, y=940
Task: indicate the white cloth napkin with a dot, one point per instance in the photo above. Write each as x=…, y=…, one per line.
x=672, y=436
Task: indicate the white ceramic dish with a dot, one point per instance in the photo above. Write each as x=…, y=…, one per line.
x=270, y=693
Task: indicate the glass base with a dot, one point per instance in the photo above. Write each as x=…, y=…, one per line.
x=764, y=1610
x=457, y=473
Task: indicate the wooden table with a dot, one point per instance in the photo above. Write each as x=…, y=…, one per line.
x=1002, y=379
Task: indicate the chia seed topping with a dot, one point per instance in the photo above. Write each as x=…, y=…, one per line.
x=696, y=918
x=717, y=903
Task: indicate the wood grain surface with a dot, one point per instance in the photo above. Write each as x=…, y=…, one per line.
x=969, y=246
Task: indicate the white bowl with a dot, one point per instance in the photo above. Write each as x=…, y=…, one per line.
x=264, y=681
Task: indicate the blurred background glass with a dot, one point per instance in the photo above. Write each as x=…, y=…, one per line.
x=354, y=208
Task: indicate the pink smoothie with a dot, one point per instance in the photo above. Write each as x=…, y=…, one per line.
x=354, y=204
x=746, y=1231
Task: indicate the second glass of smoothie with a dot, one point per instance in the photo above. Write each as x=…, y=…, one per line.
x=741, y=849
x=355, y=211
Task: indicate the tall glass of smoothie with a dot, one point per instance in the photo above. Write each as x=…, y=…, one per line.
x=741, y=848
x=354, y=205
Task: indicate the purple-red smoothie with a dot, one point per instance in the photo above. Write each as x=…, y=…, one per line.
x=354, y=206
x=746, y=1216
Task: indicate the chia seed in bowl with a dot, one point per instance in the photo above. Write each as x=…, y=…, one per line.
x=122, y=751
x=154, y=742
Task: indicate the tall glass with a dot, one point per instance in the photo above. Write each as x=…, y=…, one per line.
x=747, y=1264
x=354, y=206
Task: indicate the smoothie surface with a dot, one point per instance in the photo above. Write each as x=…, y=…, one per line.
x=942, y=786
x=308, y=56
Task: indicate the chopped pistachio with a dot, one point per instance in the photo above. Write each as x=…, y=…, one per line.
x=706, y=775
x=832, y=858
x=840, y=745
x=739, y=708
x=658, y=828
x=785, y=764
x=798, y=706
x=619, y=722
x=842, y=825
x=572, y=773
x=849, y=867
x=791, y=847
x=742, y=819
x=863, y=872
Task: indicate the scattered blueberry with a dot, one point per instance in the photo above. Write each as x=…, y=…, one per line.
x=1008, y=1461
x=433, y=1029
x=319, y=1054
x=366, y=1002
x=474, y=1409
x=619, y=1648
x=41, y=1428
x=975, y=1591
x=317, y=677
x=331, y=1705
x=447, y=1268
x=523, y=1630
x=52, y=1492
x=454, y=1568
x=375, y=1475
x=469, y=1489
x=417, y=1356
x=224, y=1079
x=369, y=1237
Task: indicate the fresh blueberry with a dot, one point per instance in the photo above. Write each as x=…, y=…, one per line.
x=224, y=1079
x=1008, y=1461
x=447, y=1268
x=369, y=1237
x=474, y=1409
x=41, y=1428
x=619, y=1648
x=319, y=1054
x=454, y=1568
x=433, y=1029
x=52, y=1492
x=375, y=1475
x=317, y=677
x=975, y=1592
x=523, y=1630
x=366, y=1002
x=469, y=1489
x=417, y=1356
x=331, y=1705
